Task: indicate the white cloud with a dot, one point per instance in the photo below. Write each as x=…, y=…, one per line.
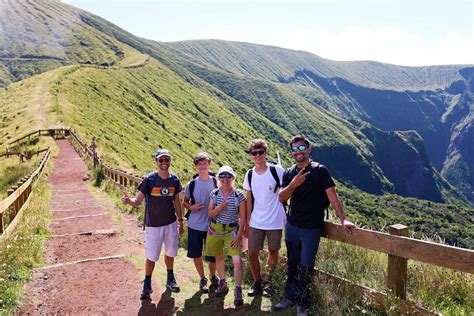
x=385, y=44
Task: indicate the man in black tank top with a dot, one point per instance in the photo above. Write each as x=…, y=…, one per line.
x=311, y=189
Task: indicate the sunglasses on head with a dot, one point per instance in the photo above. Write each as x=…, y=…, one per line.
x=161, y=160
x=260, y=152
x=299, y=148
x=225, y=175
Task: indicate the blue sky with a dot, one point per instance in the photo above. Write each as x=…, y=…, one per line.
x=412, y=33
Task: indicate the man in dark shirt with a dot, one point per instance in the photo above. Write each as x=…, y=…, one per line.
x=160, y=189
x=311, y=189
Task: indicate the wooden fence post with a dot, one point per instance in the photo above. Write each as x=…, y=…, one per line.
x=397, y=266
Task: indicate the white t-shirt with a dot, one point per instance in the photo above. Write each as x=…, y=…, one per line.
x=268, y=212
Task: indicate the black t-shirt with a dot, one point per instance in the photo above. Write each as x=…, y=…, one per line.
x=159, y=208
x=309, y=200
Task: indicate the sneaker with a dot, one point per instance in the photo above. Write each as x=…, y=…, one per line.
x=285, y=304
x=267, y=289
x=171, y=284
x=203, y=285
x=301, y=310
x=214, y=282
x=238, y=299
x=222, y=289
x=147, y=290
x=255, y=288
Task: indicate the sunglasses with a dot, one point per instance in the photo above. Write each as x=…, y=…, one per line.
x=299, y=148
x=260, y=152
x=161, y=160
x=225, y=175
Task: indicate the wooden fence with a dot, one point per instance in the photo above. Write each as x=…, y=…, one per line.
x=18, y=199
x=398, y=247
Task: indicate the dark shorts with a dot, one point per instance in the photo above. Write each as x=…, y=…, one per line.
x=196, y=242
x=257, y=238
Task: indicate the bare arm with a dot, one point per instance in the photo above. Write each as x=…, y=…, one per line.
x=177, y=207
x=214, y=211
x=194, y=207
x=135, y=201
x=336, y=204
x=179, y=214
x=248, y=208
x=235, y=243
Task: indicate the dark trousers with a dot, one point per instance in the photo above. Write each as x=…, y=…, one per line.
x=302, y=246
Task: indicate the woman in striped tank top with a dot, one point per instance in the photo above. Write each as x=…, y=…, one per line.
x=226, y=211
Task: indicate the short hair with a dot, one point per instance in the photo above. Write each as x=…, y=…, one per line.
x=299, y=137
x=258, y=144
x=202, y=156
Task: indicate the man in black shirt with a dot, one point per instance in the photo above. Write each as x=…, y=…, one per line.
x=311, y=189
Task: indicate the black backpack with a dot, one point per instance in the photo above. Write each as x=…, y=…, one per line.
x=192, y=185
x=275, y=177
x=150, y=179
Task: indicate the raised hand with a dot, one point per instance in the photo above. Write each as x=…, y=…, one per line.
x=299, y=178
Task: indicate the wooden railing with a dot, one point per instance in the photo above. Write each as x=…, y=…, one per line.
x=41, y=132
x=26, y=155
x=398, y=247
x=18, y=199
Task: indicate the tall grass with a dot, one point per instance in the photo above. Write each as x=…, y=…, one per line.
x=24, y=249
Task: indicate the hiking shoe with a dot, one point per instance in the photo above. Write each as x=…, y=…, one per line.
x=267, y=289
x=147, y=290
x=171, y=284
x=222, y=289
x=238, y=299
x=203, y=285
x=255, y=288
x=285, y=304
x=301, y=310
x=214, y=282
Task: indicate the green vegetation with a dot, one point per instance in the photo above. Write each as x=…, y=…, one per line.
x=24, y=249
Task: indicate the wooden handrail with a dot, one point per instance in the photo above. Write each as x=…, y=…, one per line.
x=19, y=198
x=455, y=258
x=49, y=130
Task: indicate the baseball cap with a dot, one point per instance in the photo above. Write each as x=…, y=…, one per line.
x=162, y=152
x=226, y=169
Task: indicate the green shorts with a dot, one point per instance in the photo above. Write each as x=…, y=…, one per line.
x=219, y=237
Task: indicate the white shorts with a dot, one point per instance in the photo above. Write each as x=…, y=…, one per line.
x=155, y=237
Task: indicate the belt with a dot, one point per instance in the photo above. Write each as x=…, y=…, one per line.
x=230, y=225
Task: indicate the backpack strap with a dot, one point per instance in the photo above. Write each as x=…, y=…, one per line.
x=150, y=180
x=249, y=179
x=275, y=177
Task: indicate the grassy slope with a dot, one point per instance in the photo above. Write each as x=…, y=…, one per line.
x=133, y=111
x=47, y=34
x=278, y=64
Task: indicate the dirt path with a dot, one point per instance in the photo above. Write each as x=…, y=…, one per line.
x=95, y=257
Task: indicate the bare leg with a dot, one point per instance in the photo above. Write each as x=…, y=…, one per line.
x=255, y=265
x=199, y=266
x=212, y=268
x=220, y=265
x=149, y=266
x=237, y=270
x=271, y=260
x=169, y=262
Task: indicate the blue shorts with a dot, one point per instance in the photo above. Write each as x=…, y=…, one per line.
x=196, y=242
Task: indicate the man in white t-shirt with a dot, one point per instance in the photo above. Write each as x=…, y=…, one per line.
x=265, y=215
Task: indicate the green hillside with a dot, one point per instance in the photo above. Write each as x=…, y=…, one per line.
x=136, y=103
x=280, y=65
